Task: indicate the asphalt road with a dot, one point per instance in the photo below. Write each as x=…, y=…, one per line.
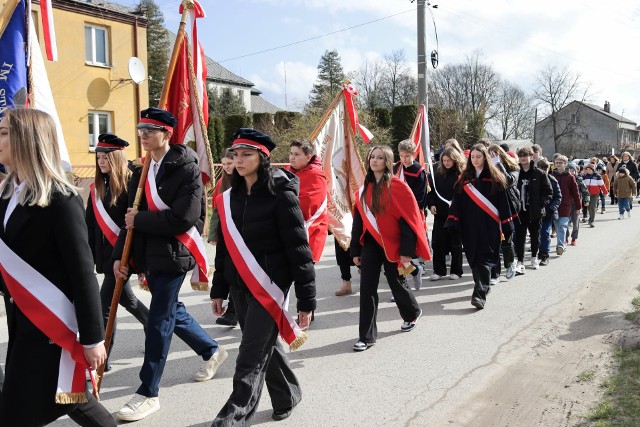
x=406, y=378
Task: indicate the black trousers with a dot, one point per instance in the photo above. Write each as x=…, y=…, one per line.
x=344, y=261
x=481, y=276
x=261, y=360
x=444, y=243
x=533, y=225
x=128, y=300
x=372, y=258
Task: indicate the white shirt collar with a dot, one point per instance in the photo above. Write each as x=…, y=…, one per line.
x=13, y=201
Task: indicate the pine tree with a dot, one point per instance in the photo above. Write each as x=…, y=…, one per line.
x=329, y=81
x=224, y=103
x=157, y=49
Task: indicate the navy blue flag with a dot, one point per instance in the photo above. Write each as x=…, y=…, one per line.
x=13, y=61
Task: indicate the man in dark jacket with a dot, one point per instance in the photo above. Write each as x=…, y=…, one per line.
x=165, y=260
x=570, y=197
x=551, y=214
x=535, y=194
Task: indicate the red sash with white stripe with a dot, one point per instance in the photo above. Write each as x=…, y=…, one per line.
x=47, y=307
x=484, y=204
x=268, y=294
x=107, y=225
x=192, y=240
x=311, y=227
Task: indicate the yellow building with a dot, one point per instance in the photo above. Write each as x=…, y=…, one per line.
x=90, y=81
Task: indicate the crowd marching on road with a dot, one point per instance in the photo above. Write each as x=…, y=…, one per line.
x=269, y=227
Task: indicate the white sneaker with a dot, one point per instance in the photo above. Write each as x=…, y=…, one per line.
x=534, y=263
x=209, y=367
x=519, y=268
x=435, y=277
x=628, y=214
x=621, y=216
x=138, y=407
x=511, y=271
x=453, y=276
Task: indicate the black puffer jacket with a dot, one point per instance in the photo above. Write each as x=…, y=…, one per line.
x=539, y=191
x=273, y=229
x=101, y=249
x=444, y=185
x=155, y=248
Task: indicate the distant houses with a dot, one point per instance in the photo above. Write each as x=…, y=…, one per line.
x=583, y=130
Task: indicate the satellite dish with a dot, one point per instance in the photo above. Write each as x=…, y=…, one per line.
x=136, y=70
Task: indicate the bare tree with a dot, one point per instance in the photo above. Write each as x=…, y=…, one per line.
x=369, y=83
x=514, y=112
x=556, y=88
x=395, y=67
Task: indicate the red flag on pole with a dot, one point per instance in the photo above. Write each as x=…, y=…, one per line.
x=187, y=98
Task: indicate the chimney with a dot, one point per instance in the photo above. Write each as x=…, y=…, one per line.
x=607, y=107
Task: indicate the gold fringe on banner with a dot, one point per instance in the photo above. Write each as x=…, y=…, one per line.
x=297, y=343
x=70, y=398
x=200, y=286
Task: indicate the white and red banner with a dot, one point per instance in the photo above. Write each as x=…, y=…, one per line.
x=334, y=144
x=192, y=239
x=268, y=294
x=48, y=31
x=349, y=91
x=107, y=225
x=187, y=98
x=48, y=308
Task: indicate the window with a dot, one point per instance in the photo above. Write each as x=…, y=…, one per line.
x=99, y=122
x=96, y=41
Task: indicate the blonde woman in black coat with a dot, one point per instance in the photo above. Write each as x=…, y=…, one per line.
x=44, y=249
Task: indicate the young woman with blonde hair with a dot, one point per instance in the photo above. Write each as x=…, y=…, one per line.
x=104, y=217
x=387, y=231
x=50, y=290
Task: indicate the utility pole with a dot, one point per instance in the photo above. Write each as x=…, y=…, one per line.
x=422, y=68
x=286, y=106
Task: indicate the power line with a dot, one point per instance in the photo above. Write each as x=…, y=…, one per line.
x=317, y=37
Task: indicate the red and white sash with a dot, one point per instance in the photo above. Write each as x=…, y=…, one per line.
x=369, y=219
x=268, y=294
x=47, y=307
x=310, y=222
x=192, y=239
x=107, y=225
x=483, y=203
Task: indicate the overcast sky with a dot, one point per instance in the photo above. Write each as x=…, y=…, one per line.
x=597, y=39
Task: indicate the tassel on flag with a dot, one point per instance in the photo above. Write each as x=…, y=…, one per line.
x=187, y=98
x=48, y=31
x=349, y=90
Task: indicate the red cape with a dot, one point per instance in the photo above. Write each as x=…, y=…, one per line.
x=313, y=192
x=402, y=205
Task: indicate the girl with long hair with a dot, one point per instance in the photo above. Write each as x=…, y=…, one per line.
x=50, y=290
x=387, y=231
x=481, y=215
x=262, y=248
x=452, y=163
x=107, y=206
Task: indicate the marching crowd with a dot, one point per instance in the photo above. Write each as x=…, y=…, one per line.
x=269, y=226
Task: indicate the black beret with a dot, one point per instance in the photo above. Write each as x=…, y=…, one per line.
x=155, y=118
x=251, y=138
x=109, y=142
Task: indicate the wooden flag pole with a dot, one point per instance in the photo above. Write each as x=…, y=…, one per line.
x=187, y=5
x=6, y=13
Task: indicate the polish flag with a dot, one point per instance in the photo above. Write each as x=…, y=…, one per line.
x=46, y=8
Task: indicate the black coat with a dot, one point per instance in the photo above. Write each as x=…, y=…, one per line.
x=100, y=246
x=273, y=229
x=480, y=233
x=52, y=240
x=155, y=248
x=416, y=178
x=444, y=185
x=632, y=168
x=539, y=191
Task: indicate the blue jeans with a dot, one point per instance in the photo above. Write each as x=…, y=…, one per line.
x=166, y=316
x=561, y=224
x=624, y=205
x=545, y=236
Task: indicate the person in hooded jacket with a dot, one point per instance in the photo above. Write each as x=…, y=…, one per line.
x=262, y=249
x=175, y=181
x=550, y=215
x=106, y=208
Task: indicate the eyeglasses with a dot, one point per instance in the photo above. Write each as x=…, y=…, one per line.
x=146, y=133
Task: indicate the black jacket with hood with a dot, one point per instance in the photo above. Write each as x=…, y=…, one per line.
x=179, y=183
x=273, y=229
